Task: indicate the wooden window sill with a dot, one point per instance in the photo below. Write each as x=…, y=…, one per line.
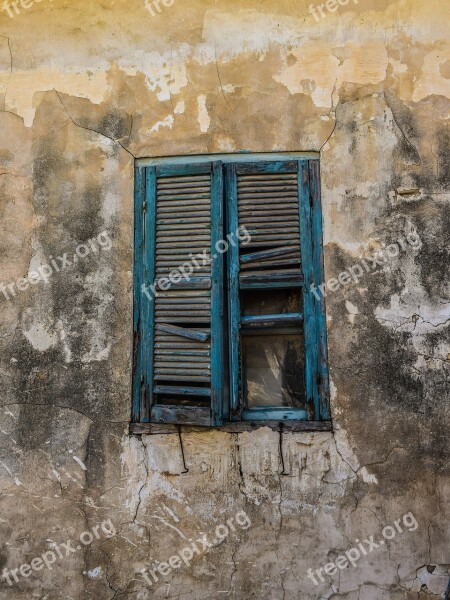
x=231, y=427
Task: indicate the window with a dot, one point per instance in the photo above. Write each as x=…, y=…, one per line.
x=227, y=328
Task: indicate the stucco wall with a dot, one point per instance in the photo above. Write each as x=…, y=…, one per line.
x=85, y=87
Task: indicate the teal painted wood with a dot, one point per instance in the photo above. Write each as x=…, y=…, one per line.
x=139, y=192
x=183, y=169
x=243, y=156
x=319, y=305
x=194, y=283
x=273, y=414
x=233, y=295
x=217, y=291
x=182, y=391
x=263, y=281
x=311, y=354
x=251, y=168
x=314, y=311
x=188, y=376
x=278, y=318
x=147, y=304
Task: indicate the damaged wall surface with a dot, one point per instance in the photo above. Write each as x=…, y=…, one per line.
x=85, y=89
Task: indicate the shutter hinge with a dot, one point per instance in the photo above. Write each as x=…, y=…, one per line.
x=144, y=206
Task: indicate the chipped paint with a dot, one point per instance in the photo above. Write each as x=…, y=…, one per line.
x=203, y=118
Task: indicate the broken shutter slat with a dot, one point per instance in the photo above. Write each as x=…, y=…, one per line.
x=281, y=318
x=268, y=254
x=180, y=331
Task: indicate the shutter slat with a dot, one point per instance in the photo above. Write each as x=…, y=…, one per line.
x=246, y=205
x=180, y=354
x=256, y=207
x=258, y=211
x=271, y=263
x=170, y=230
x=266, y=194
x=181, y=370
x=266, y=177
x=272, y=228
x=170, y=294
x=187, y=210
x=275, y=216
x=181, y=319
x=181, y=251
x=202, y=227
x=175, y=219
x=184, y=185
x=199, y=378
x=172, y=344
x=179, y=358
x=167, y=303
x=182, y=199
x=197, y=244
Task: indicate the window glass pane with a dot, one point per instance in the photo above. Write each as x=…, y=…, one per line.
x=274, y=370
x=270, y=302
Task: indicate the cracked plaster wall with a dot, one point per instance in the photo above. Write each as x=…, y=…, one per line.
x=84, y=88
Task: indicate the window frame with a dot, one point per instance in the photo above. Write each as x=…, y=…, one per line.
x=310, y=219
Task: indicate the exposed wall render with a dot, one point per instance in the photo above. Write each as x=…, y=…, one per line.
x=85, y=89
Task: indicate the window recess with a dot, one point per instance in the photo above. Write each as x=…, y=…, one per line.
x=243, y=337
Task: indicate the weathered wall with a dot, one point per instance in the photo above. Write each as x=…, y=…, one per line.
x=84, y=88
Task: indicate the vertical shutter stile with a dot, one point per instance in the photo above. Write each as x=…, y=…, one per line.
x=322, y=379
x=312, y=397
x=233, y=292
x=138, y=326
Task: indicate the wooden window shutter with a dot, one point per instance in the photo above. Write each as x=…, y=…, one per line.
x=179, y=373
x=279, y=207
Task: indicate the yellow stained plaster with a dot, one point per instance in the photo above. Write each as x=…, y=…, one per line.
x=366, y=64
x=24, y=84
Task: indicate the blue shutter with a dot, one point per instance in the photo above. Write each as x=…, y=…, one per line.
x=179, y=364
x=281, y=212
